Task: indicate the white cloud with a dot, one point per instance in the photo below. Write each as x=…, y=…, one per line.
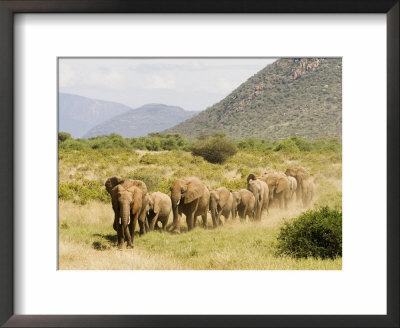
x=160, y=82
x=192, y=83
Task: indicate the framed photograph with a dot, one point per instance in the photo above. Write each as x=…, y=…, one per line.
x=194, y=162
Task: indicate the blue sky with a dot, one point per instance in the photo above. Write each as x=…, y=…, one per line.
x=193, y=84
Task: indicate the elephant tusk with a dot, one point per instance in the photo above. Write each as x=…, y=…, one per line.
x=178, y=202
x=129, y=219
x=120, y=220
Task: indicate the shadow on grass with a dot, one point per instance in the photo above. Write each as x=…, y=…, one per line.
x=107, y=241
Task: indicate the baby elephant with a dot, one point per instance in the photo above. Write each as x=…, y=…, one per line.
x=221, y=203
x=245, y=203
x=159, y=209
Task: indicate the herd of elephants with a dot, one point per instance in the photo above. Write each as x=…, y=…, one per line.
x=132, y=203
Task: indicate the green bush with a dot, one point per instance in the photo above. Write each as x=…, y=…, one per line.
x=62, y=136
x=151, y=176
x=83, y=192
x=233, y=184
x=287, y=145
x=215, y=150
x=302, y=144
x=313, y=234
x=74, y=144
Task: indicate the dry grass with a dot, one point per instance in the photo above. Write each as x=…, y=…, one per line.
x=88, y=242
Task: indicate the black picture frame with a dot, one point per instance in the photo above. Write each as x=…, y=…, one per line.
x=10, y=7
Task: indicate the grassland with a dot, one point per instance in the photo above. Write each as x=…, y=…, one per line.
x=87, y=240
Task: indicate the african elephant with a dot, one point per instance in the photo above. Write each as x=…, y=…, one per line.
x=300, y=174
x=159, y=209
x=307, y=192
x=279, y=187
x=190, y=197
x=261, y=194
x=127, y=203
x=292, y=186
x=116, y=180
x=245, y=203
x=221, y=203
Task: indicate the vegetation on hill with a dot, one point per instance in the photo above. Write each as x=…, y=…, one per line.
x=164, y=141
x=292, y=96
x=154, y=142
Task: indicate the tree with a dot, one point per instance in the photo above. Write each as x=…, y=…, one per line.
x=214, y=150
x=62, y=136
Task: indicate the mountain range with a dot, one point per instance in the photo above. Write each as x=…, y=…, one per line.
x=84, y=117
x=141, y=121
x=77, y=114
x=292, y=96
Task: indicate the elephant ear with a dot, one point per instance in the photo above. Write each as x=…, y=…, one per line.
x=194, y=190
x=141, y=185
x=137, y=199
x=251, y=176
x=223, y=197
x=156, y=205
x=112, y=182
x=302, y=174
x=283, y=184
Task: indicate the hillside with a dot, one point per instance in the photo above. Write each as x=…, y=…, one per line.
x=292, y=96
x=77, y=114
x=141, y=121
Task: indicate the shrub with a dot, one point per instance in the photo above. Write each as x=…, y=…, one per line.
x=62, y=136
x=74, y=144
x=149, y=175
x=313, y=234
x=83, y=192
x=287, y=145
x=301, y=144
x=214, y=150
x=233, y=184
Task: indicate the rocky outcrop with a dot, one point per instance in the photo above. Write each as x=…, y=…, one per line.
x=305, y=65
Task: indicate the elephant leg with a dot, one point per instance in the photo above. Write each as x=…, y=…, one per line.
x=142, y=227
x=146, y=225
x=190, y=218
x=153, y=222
x=128, y=236
x=164, y=224
x=190, y=221
x=115, y=224
x=142, y=221
x=133, y=226
x=219, y=218
x=194, y=221
x=204, y=217
x=244, y=214
x=298, y=194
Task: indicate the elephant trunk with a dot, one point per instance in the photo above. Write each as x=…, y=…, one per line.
x=214, y=216
x=125, y=216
